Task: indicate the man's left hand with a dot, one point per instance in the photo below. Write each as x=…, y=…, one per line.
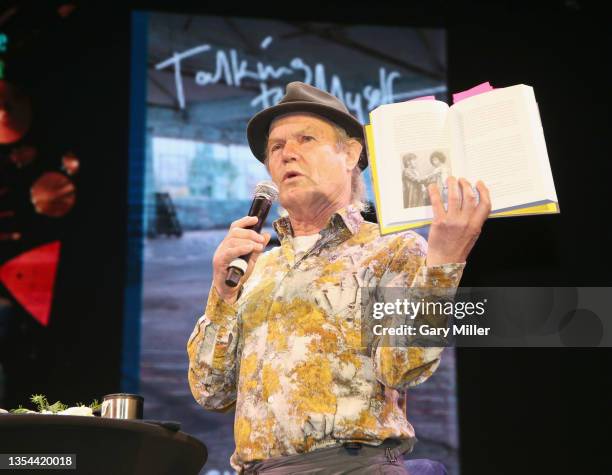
x=454, y=231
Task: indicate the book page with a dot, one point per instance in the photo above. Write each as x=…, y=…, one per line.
x=412, y=150
x=500, y=145
x=544, y=162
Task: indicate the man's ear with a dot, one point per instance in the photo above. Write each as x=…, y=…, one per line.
x=353, y=149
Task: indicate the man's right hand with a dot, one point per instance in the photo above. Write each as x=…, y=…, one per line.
x=238, y=242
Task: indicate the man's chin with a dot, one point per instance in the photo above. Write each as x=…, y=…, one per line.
x=292, y=195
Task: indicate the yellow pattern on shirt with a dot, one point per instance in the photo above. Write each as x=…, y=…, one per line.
x=289, y=354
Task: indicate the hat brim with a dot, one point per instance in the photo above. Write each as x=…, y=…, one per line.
x=259, y=125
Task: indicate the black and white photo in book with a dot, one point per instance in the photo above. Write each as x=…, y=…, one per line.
x=418, y=171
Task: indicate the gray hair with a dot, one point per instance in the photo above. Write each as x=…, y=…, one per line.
x=358, y=187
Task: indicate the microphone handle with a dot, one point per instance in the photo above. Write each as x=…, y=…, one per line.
x=260, y=208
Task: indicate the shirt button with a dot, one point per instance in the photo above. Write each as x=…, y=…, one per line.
x=270, y=398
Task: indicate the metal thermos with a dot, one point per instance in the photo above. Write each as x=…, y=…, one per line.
x=122, y=406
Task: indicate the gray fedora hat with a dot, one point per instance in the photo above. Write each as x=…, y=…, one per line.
x=301, y=97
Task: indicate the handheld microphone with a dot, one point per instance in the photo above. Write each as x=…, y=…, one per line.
x=263, y=197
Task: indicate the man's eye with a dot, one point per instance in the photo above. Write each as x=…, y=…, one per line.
x=275, y=147
x=307, y=138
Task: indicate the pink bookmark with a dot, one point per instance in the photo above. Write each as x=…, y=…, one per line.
x=484, y=87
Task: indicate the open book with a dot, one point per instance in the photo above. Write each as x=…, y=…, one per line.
x=495, y=137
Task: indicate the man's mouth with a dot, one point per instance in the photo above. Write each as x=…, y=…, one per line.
x=289, y=175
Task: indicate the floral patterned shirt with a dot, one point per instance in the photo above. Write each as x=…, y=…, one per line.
x=288, y=352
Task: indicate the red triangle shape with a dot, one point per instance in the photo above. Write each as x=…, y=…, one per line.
x=30, y=277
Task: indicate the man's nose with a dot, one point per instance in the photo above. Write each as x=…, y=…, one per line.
x=290, y=150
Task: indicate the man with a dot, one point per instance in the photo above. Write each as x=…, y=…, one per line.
x=413, y=185
x=284, y=346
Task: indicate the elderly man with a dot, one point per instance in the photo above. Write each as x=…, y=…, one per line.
x=413, y=185
x=284, y=346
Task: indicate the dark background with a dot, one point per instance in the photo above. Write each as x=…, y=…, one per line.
x=520, y=411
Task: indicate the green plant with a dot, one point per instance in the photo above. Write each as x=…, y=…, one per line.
x=42, y=404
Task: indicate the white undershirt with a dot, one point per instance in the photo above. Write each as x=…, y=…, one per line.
x=301, y=244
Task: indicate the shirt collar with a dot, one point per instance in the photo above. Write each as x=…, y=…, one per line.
x=345, y=220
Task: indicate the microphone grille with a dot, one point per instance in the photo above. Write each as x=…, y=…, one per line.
x=266, y=189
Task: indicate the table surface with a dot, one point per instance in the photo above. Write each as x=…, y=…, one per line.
x=102, y=442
